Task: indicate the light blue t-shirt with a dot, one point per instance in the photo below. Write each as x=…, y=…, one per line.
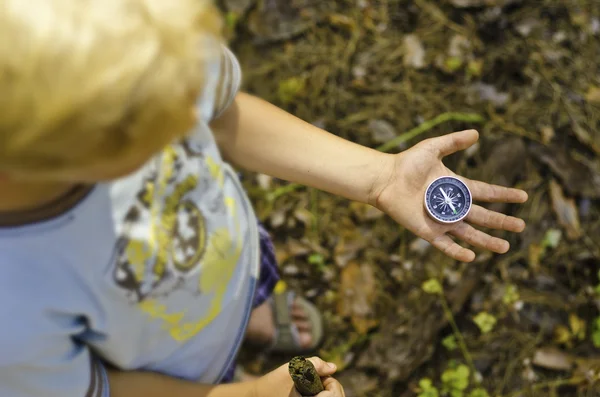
x=155, y=271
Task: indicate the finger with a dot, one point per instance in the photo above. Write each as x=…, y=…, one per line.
x=333, y=388
x=494, y=220
x=451, y=143
x=480, y=239
x=323, y=368
x=453, y=250
x=489, y=193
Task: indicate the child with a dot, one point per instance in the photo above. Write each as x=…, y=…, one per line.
x=128, y=248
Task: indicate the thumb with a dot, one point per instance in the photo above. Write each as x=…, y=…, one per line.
x=323, y=368
x=446, y=145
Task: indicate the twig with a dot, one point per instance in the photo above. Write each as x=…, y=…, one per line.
x=459, y=336
x=513, y=364
x=510, y=127
x=438, y=14
x=283, y=190
x=429, y=124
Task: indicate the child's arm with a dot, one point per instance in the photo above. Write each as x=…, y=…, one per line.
x=277, y=383
x=147, y=384
x=260, y=137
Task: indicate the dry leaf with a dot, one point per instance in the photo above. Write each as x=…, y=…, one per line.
x=419, y=246
x=264, y=181
x=552, y=358
x=347, y=248
x=304, y=216
x=586, y=365
x=382, y=131
x=566, y=211
x=281, y=253
x=547, y=134
x=358, y=292
x=343, y=22
x=277, y=218
x=593, y=95
x=482, y=3
x=414, y=53
x=365, y=212
x=585, y=137
x=535, y=253
x=297, y=248
x=577, y=176
x=459, y=46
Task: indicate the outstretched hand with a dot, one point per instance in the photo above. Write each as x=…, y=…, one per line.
x=401, y=196
x=278, y=383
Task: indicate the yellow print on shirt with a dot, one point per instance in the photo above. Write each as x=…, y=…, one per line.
x=176, y=249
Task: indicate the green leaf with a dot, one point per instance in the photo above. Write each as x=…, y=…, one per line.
x=427, y=388
x=479, y=392
x=450, y=343
x=485, y=322
x=456, y=380
x=425, y=383
x=231, y=19
x=432, y=286
x=316, y=259
x=511, y=294
x=290, y=88
x=429, y=393
x=552, y=238
x=452, y=64
x=474, y=68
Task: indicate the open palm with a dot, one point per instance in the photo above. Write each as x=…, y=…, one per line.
x=401, y=197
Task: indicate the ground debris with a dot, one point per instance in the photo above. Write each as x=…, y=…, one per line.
x=414, y=53
x=566, y=211
x=275, y=20
x=369, y=71
x=553, y=358
x=578, y=177
x=483, y=3
x=357, y=297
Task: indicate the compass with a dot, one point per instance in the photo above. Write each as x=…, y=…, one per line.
x=448, y=200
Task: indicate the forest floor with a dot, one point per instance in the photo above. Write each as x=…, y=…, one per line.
x=403, y=319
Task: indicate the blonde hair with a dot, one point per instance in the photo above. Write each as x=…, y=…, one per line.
x=85, y=80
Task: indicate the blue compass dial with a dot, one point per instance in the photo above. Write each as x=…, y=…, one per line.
x=448, y=200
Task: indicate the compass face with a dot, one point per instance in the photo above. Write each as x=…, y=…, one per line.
x=448, y=200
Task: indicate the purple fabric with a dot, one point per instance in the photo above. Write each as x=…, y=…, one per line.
x=269, y=276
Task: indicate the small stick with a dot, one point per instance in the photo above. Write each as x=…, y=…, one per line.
x=305, y=377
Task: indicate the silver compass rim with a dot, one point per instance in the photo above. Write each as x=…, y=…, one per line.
x=436, y=219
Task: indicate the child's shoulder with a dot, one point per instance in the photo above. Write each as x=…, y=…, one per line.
x=223, y=81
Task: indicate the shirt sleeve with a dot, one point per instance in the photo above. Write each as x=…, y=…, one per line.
x=224, y=78
x=64, y=368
